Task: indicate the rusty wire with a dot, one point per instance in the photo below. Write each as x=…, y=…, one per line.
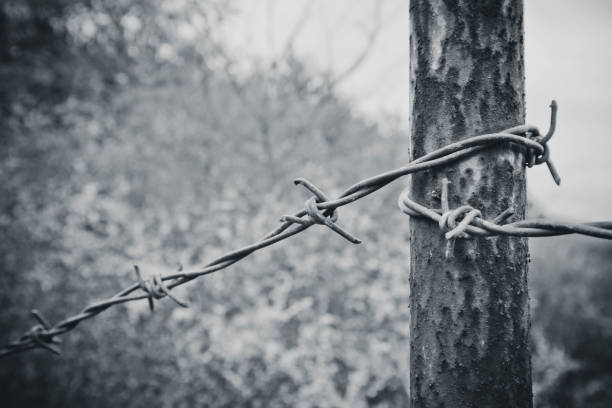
x=319, y=209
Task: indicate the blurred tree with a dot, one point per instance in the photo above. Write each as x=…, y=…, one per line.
x=163, y=165
x=572, y=312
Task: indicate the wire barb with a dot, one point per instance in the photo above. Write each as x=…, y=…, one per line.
x=506, y=214
x=315, y=216
x=156, y=289
x=38, y=336
x=543, y=140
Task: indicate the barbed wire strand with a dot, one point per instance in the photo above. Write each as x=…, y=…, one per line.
x=320, y=210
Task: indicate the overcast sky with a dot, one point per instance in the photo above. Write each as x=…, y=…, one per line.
x=568, y=57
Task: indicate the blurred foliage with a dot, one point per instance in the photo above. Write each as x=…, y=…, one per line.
x=129, y=137
x=572, y=322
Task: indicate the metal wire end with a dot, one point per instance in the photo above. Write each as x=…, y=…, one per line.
x=543, y=140
x=553, y=122
x=444, y=195
x=161, y=288
x=553, y=171
x=300, y=181
x=545, y=158
x=449, y=252
x=503, y=216
x=38, y=316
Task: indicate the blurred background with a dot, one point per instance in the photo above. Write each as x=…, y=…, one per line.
x=168, y=132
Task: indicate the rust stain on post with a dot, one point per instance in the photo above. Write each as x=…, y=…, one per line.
x=469, y=314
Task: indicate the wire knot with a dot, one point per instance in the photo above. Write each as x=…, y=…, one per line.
x=462, y=222
x=326, y=217
x=41, y=336
x=155, y=288
x=448, y=221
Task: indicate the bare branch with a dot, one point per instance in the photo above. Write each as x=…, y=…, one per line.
x=371, y=40
x=297, y=29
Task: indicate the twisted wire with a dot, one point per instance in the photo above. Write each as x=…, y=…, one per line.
x=322, y=211
x=477, y=226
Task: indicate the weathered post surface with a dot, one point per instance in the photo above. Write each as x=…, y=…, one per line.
x=469, y=313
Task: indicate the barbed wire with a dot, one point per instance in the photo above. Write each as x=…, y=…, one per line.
x=319, y=209
x=472, y=224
